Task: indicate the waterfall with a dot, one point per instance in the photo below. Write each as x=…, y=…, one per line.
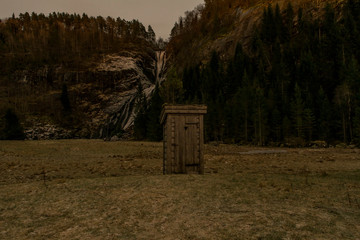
x=160, y=66
x=129, y=108
x=159, y=69
x=125, y=114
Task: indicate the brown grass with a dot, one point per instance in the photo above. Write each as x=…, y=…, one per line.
x=89, y=189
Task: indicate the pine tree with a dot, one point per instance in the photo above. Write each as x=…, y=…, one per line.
x=309, y=123
x=238, y=112
x=331, y=53
x=141, y=119
x=323, y=105
x=171, y=90
x=13, y=129
x=154, y=128
x=191, y=84
x=279, y=25
x=289, y=21
x=356, y=123
x=354, y=7
x=64, y=98
x=286, y=127
x=54, y=41
x=276, y=125
x=351, y=29
x=268, y=26
x=297, y=106
x=260, y=114
x=151, y=34
x=241, y=62
x=213, y=96
x=306, y=73
x=213, y=77
x=343, y=100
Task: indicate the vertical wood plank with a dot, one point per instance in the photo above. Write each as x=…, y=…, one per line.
x=191, y=143
x=194, y=142
x=164, y=147
x=201, y=145
x=181, y=143
x=172, y=152
x=187, y=143
x=197, y=144
x=176, y=144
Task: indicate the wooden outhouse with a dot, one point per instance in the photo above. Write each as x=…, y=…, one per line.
x=183, y=138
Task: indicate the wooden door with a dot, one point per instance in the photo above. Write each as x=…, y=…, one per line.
x=185, y=144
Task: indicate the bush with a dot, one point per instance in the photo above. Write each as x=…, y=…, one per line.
x=12, y=127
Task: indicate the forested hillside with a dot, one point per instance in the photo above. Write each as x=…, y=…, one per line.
x=270, y=72
x=71, y=75
x=289, y=76
x=69, y=39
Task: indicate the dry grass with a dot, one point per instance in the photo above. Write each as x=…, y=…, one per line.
x=81, y=189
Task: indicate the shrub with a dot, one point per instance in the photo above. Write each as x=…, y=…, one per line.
x=12, y=127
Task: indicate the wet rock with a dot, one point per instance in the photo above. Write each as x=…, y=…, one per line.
x=114, y=139
x=47, y=132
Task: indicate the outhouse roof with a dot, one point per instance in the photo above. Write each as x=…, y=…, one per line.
x=182, y=109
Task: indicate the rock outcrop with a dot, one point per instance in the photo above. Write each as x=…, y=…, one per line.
x=103, y=96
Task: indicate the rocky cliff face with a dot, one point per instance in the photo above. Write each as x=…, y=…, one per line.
x=102, y=96
x=241, y=23
x=121, y=109
x=247, y=20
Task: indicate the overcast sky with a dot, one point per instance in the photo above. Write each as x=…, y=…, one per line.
x=160, y=14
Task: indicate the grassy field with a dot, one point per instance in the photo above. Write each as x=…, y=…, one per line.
x=90, y=189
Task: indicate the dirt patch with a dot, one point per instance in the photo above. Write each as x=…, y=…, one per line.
x=79, y=189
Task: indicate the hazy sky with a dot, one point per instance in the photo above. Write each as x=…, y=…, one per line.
x=160, y=14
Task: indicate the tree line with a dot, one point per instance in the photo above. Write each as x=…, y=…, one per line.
x=33, y=40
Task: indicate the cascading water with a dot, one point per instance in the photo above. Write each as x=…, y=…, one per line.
x=125, y=115
x=159, y=69
x=160, y=66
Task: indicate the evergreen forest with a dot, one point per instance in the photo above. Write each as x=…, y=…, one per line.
x=298, y=82
x=34, y=40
